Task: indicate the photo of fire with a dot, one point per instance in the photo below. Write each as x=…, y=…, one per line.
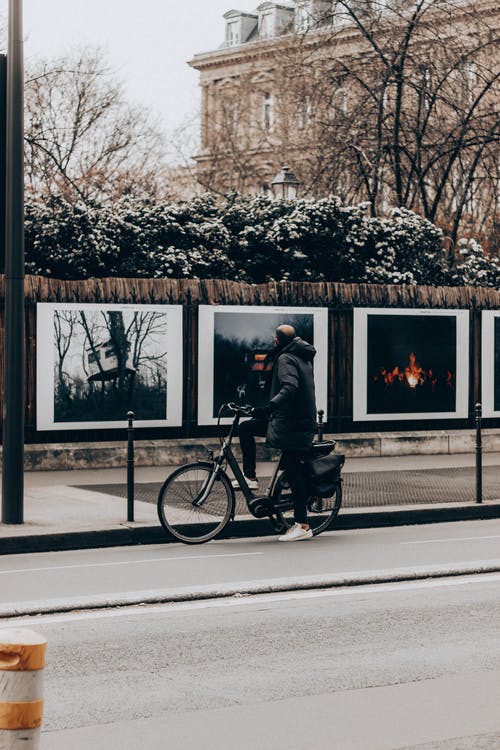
x=411, y=364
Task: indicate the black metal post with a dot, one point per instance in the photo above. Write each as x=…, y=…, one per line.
x=130, y=466
x=321, y=426
x=479, y=454
x=14, y=370
x=3, y=155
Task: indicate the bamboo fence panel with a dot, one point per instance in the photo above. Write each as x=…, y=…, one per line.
x=340, y=298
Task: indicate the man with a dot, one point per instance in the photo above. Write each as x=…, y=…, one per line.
x=292, y=422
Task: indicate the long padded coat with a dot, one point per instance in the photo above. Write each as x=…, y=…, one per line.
x=292, y=424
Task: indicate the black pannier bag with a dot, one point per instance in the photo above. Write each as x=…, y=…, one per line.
x=323, y=468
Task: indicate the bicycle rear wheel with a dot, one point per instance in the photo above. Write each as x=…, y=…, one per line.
x=321, y=511
x=177, y=509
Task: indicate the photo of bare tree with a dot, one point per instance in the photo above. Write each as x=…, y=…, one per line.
x=108, y=360
x=234, y=341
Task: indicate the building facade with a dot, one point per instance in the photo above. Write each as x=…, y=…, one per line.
x=395, y=104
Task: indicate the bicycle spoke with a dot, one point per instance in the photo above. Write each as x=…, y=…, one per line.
x=177, y=508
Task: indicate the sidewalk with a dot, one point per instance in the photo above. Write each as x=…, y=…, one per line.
x=88, y=508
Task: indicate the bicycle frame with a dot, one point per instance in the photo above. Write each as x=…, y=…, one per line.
x=226, y=455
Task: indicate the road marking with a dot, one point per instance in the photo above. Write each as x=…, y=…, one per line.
x=454, y=539
x=249, y=600
x=130, y=562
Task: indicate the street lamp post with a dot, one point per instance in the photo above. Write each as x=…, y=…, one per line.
x=285, y=185
x=13, y=395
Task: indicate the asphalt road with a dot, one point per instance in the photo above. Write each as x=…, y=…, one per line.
x=80, y=577
x=404, y=665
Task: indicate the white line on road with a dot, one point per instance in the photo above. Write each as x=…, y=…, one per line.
x=453, y=539
x=129, y=562
x=246, y=600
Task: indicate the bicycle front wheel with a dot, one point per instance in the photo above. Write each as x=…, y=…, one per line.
x=321, y=511
x=178, y=508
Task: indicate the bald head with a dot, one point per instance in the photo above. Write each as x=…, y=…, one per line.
x=285, y=334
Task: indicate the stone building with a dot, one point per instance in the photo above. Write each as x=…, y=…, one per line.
x=330, y=89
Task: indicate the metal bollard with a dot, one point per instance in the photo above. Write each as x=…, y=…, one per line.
x=130, y=466
x=321, y=414
x=22, y=660
x=479, y=454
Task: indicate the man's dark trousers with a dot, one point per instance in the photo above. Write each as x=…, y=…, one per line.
x=247, y=431
x=291, y=462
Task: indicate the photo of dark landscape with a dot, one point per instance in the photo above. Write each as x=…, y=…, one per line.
x=411, y=364
x=107, y=362
x=496, y=339
x=242, y=341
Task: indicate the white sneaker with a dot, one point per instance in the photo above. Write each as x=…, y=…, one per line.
x=253, y=484
x=295, y=533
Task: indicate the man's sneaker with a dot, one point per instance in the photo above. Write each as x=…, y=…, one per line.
x=295, y=533
x=253, y=484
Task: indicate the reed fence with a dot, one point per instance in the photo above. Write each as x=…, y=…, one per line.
x=340, y=299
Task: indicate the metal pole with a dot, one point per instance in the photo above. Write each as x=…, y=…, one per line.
x=14, y=376
x=479, y=455
x=130, y=466
x=321, y=426
x=3, y=154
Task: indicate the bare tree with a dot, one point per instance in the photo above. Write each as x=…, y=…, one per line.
x=83, y=140
x=64, y=324
x=391, y=101
x=421, y=125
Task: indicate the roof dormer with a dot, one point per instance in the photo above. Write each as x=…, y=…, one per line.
x=312, y=14
x=240, y=27
x=274, y=19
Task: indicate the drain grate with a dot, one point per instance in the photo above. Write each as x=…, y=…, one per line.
x=371, y=489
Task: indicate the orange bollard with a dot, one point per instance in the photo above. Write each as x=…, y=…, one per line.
x=22, y=660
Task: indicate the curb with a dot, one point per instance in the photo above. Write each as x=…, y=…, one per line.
x=348, y=519
x=248, y=588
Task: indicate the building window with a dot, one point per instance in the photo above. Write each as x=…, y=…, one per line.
x=266, y=25
x=304, y=113
x=267, y=111
x=340, y=103
x=233, y=33
x=468, y=78
x=231, y=116
x=301, y=18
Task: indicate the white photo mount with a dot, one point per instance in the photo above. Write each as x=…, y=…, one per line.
x=360, y=365
x=206, y=329
x=490, y=361
x=169, y=341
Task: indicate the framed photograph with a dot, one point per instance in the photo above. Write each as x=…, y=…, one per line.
x=410, y=364
x=234, y=342
x=490, y=363
x=96, y=362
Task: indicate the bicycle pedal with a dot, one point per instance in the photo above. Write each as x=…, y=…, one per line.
x=279, y=526
x=316, y=505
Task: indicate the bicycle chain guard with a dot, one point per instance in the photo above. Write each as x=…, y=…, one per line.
x=260, y=506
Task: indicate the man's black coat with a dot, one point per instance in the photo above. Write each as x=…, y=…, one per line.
x=292, y=423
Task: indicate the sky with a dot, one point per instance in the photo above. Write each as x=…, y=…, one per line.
x=148, y=43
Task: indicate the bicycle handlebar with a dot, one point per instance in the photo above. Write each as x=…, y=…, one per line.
x=244, y=409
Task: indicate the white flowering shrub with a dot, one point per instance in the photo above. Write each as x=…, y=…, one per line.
x=253, y=239
x=473, y=267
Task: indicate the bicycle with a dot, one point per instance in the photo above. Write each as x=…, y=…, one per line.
x=197, y=501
